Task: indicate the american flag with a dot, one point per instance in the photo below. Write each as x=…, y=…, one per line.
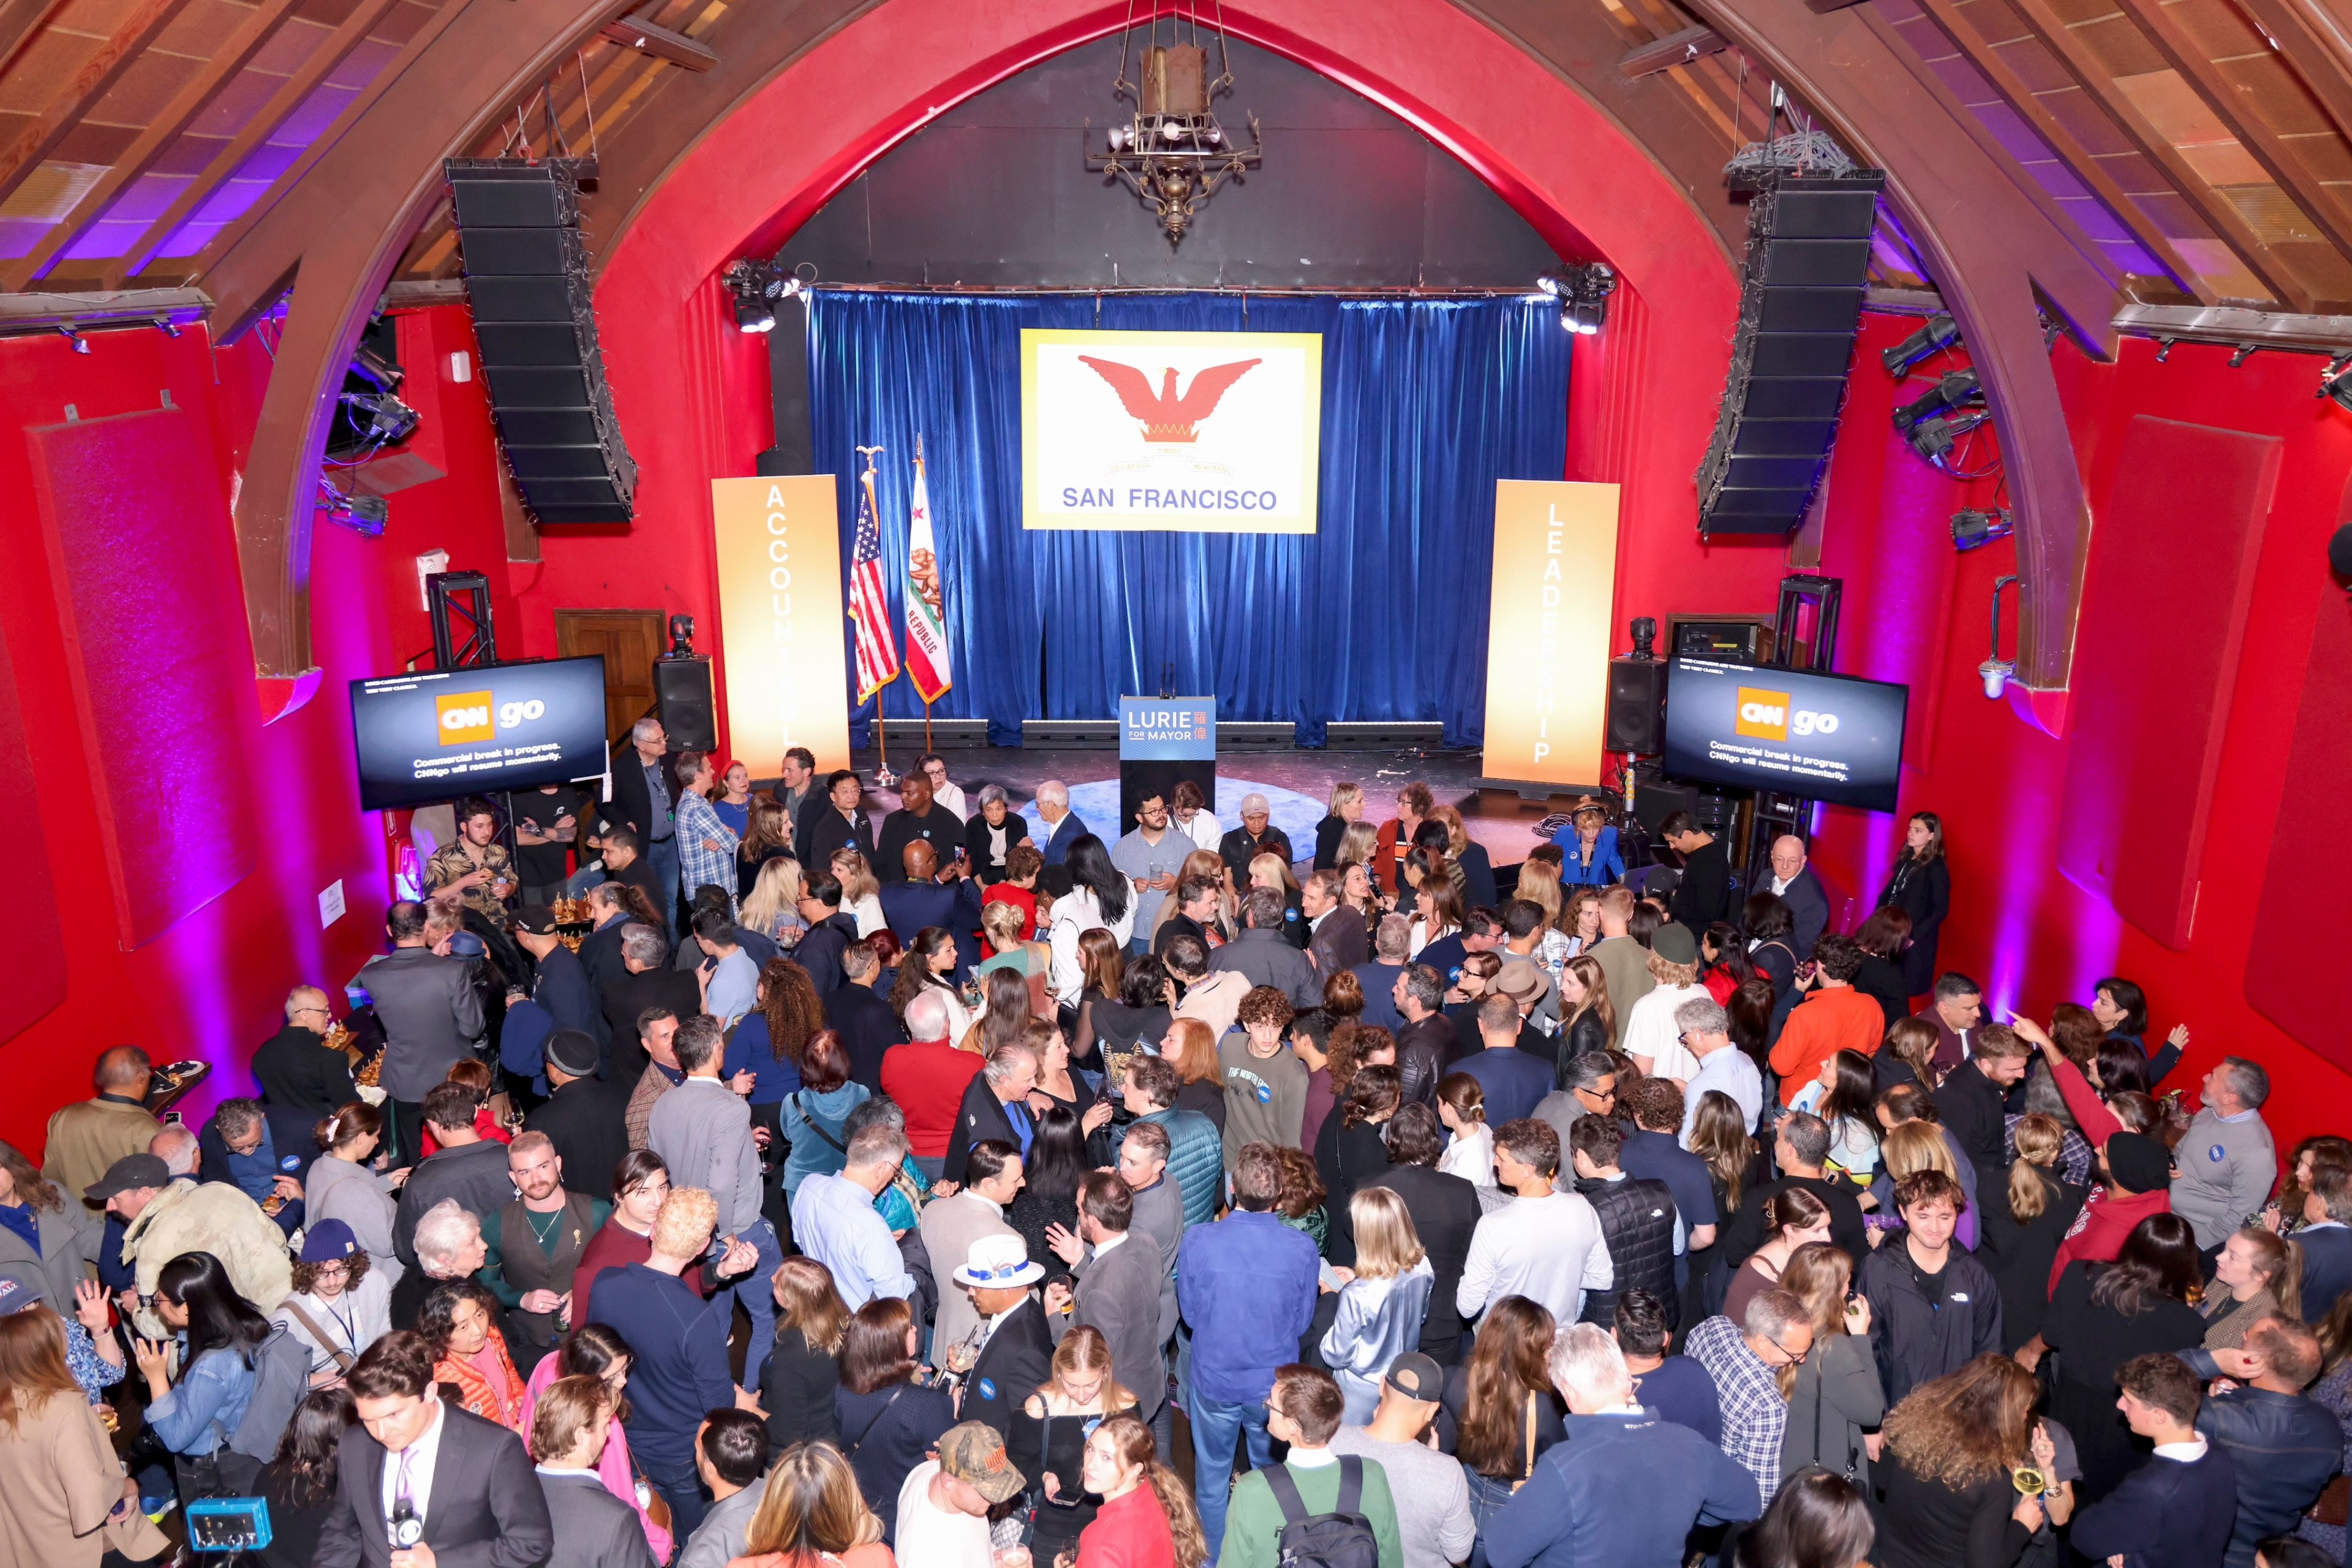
x=869, y=606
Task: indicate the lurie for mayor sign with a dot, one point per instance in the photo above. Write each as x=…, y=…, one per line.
x=1167, y=729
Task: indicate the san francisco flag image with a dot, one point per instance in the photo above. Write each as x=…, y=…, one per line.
x=926, y=628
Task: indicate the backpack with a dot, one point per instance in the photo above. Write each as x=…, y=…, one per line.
x=1340, y=1539
x=281, y=1375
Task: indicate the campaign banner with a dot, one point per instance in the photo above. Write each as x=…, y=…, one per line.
x=1167, y=729
x=1201, y=432
x=787, y=678
x=1548, y=630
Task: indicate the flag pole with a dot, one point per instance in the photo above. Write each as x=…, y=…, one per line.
x=882, y=774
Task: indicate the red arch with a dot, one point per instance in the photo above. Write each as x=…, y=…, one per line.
x=691, y=392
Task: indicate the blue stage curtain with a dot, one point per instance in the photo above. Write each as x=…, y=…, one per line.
x=1379, y=614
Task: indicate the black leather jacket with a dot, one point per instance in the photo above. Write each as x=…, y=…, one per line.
x=2286, y=1447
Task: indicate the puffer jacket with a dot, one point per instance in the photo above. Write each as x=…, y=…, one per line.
x=215, y=1218
x=1196, y=1158
x=1637, y=1220
x=2285, y=1447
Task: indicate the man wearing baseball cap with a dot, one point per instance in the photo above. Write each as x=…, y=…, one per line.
x=162, y=1218
x=943, y=1506
x=1433, y=1499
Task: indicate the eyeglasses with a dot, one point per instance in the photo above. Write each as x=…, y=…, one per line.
x=1610, y=1093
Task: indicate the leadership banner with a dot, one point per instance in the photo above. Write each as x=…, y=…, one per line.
x=780, y=618
x=1548, y=631
x=1206, y=432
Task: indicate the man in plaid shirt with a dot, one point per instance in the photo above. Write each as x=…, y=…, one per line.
x=1746, y=1368
x=706, y=845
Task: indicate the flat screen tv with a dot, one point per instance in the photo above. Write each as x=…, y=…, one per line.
x=436, y=735
x=1821, y=737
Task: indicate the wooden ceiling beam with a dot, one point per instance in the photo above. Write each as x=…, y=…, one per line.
x=1962, y=31
x=1674, y=49
x=143, y=154
x=641, y=35
x=2230, y=104
x=2314, y=47
x=20, y=24
x=2092, y=75
x=296, y=90
x=83, y=88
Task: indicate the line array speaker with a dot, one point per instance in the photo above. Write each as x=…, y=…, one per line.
x=1637, y=707
x=527, y=277
x=682, y=691
x=1800, y=304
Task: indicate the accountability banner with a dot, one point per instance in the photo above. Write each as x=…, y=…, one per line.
x=780, y=618
x=1204, y=431
x=1548, y=631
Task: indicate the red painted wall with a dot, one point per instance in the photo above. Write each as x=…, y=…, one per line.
x=213, y=985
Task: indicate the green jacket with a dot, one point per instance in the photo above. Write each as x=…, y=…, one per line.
x=1253, y=1521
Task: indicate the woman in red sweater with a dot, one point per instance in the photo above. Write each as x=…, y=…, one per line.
x=1147, y=1519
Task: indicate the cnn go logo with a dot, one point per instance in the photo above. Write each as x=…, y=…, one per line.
x=465, y=716
x=1765, y=715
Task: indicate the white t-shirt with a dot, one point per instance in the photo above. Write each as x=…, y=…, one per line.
x=1471, y=1155
x=933, y=1536
x=1650, y=1031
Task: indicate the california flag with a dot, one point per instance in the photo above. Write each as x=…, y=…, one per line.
x=926, y=627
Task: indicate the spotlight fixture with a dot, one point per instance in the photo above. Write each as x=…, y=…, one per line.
x=758, y=287
x=65, y=331
x=1939, y=333
x=2336, y=382
x=2339, y=554
x=681, y=637
x=164, y=325
x=1996, y=671
x=364, y=515
x=1954, y=390
x=1583, y=295
x=1972, y=530
x=1172, y=153
x=381, y=420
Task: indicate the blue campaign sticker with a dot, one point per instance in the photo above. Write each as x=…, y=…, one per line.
x=1266, y=1094
x=987, y=1388
x=2214, y=1153
x=289, y=1164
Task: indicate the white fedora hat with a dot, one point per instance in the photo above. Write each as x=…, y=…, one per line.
x=998, y=1263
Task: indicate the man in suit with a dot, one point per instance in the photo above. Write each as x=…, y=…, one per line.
x=1337, y=940
x=799, y=793
x=583, y=1115
x=952, y=1225
x=2177, y=1508
x=1118, y=1288
x=922, y=900
x=432, y=1019
x=467, y=1167
x=2326, y=1242
x=829, y=934
x=420, y=1483
x=1016, y=1350
x=646, y=982
x=593, y=1529
x=1703, y=896
x=1064, y=826
x=1444, y=1210
x=561, y=985
x=995, y=1105
x=295, y=1068
x=600, y=949
x=838, y=823
x=645, y=800
x=857, y=1012
x=1263, y=955
x=917, y=821
x=1793, y=883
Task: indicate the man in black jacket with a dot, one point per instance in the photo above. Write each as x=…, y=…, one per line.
x=1637, y=1221
x=1444, y=1210
x=600, y=949
x=1704, y=894
x=1933, y=1307
x=2284, y=1444
x=1971, y=1102
x=1801, y=1146
x=467, y=1167
x=561, y=985
x=995, y=1105
x=838, y=822
x=1424, y=1043
x=1017, y=1357
x=473, y=1501
x=861, y=1016
x=2173, y=1511
x=917, y=821
x=295, y=1068
x=648, y=981
x=829, y=934
x=584, y=1115
x=923, y=900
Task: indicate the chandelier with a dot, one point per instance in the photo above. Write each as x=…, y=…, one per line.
x=1173, y=154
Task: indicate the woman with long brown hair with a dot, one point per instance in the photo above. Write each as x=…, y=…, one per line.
x=1579, y=920
x=1835, y=1396
x=1499, y=1414
x=58, y=1468
x=1719, y=1136
x=767, y=841
x=770, y=1041
x=1908, y=1055
x=1102, y=978
x=1589, y=1021
x=1046, y=1438
x=888, y=1420
x=1793, y=1217
x=1147, y=1519
x=928, y=966
x=811, y=1515
x=1920, y=888
x=1947, y=1469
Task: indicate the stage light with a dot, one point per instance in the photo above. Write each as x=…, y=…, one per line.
x=681, y=637
x=81, y=344
x=1972, y=530
x=2339, y=554
x=1954, y=390
x=1583, y=295
x=1940, y=333
x=381, y=420
x=754, y=314
x=363, y=515
x=163, y=325
x=1995, y=671
x=2336, y=382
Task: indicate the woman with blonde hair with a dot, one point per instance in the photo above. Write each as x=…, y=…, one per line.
x=1836, y=1396
x=2025, y=1219
x=805, y=1373
x=810, y=1515
x=1010, y=946
x=771, y=905
x=1947, y=1470
x=861, y=894
x=1360, y=844
x=1470, y=1150
x=1347, y=810
x=1147, y=1519
x=2257, y=1276
x=1382, y=1300
x=1047, y=1436
x=1911, y=1146
x=1272, y=871
x=1554, y=949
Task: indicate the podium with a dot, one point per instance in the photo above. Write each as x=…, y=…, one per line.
x=1163, y=740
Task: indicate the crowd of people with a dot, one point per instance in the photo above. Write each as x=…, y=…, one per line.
x=858, y=1191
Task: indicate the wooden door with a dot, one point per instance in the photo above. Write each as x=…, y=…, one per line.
x=630, y=641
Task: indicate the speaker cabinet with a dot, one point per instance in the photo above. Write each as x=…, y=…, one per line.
x=1637, y=707
x=1800, y=306
x=682, y=693
x=526, y=277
